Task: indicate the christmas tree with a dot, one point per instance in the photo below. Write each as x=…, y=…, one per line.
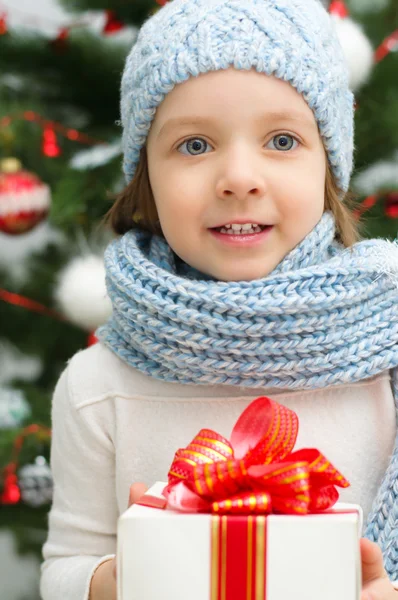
x=59, y=118
x=60, y=155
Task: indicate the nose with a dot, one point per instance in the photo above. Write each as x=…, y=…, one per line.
x=241, y=176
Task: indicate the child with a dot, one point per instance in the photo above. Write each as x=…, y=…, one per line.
x=238, y=276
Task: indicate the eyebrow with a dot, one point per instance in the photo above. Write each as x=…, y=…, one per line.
x=291, y=116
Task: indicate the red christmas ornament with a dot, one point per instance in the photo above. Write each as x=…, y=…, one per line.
x=24, y=199
x=339, y=8
x=11, y=492
x=391, y=205
x=112, y=24
x=50, y=142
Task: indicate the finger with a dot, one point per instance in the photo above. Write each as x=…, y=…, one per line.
x=114, y=572
x=372, y=561
x=379, y=589
x=137, y=490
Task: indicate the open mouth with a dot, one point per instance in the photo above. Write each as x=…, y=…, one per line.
x=246, y=229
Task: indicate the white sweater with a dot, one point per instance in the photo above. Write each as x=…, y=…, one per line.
x=113, y=426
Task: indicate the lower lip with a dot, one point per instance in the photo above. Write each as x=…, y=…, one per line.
x=251, y=239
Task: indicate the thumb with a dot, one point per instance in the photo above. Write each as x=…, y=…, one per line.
x=137, y=490
x=372, y=561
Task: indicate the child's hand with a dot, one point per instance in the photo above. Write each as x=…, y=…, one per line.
x=375, y=582
x=103, y=583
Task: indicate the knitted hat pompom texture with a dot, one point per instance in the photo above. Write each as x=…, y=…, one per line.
x=294, y=40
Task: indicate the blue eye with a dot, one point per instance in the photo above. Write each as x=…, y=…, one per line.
x=284, y=142
x=195, y=146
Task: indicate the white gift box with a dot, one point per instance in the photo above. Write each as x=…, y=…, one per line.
x=164, y=554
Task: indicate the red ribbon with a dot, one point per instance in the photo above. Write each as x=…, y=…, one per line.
x=256, y=472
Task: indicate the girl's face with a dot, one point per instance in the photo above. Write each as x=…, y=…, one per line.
x=236, y=147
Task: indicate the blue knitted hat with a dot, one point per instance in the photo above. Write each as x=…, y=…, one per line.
x=293, y=40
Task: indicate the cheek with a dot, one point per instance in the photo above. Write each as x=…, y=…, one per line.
x=178, y=198
x=305, y=192
x=302, y=208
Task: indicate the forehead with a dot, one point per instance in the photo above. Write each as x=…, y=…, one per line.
x=231, y=93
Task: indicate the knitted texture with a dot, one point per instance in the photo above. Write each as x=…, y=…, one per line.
x=325, y=315
x=294, y=40
x=382, y=523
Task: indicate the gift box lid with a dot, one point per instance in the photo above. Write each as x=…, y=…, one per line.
x=164, y=553
x=155, y=492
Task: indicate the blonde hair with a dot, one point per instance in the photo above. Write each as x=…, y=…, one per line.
x=135, y=206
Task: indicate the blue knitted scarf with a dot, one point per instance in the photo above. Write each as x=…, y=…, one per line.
x=325, y=315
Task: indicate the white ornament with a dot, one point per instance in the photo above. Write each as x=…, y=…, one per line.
x=36, y=483
x=81, y=292
x=14, y=408
x=357, y=49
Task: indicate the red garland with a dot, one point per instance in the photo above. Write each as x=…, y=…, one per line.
x=50, y=128
x=390, y=44
x=366, y=205
x=28, y=304
x=22, y=301
x=391, y=205
x=50, y=145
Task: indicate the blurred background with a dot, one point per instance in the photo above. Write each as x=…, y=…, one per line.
x=60, y=168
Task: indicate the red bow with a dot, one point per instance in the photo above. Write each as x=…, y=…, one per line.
x=256, y=472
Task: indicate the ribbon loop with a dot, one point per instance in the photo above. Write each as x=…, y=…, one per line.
x=257, y=472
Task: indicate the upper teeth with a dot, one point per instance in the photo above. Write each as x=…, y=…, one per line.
x=239, y=226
